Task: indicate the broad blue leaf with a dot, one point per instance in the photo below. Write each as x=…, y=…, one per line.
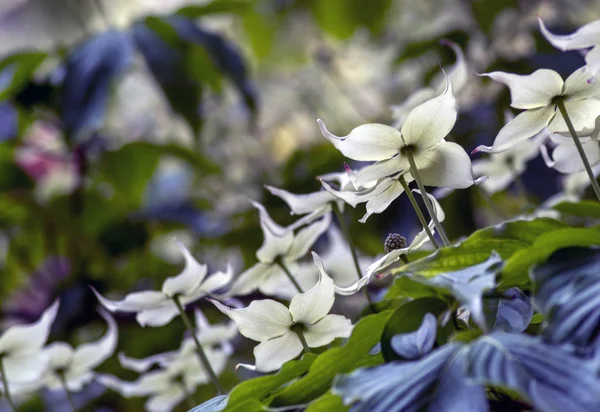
x=551, y=377
x=512, y=312
x=567, y=291
x=468, y=285
x=437, y=383
x=223, y=53
x=416, y=344
x=90, y=70
x=215, y=404
x=168, y=66
x=454, y=378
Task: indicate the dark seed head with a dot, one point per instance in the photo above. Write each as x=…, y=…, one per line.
x=393, y=242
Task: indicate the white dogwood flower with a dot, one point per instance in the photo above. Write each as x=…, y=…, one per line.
x=23, y=360
x=586, y=37
x=382, y=266
x=502, y=168
x=76, y=365
x=283, y=332
x=157, y=308
x=565, y=157
x=168, y=386
x=538, y=94
x=281, y=249
x=439, y=163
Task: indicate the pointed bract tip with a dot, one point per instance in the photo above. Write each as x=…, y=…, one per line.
x=346, y=167
x=476, y=150
x=447, y=42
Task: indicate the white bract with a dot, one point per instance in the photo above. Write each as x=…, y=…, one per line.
x=377, y=195
x=440, y=163
x=157, y=308
x=382, y=266
x=168, y=386
x=502, y=168
x=586, y=37
x=565, y=157
x=208, y=335
x=458, y=74
x=278, y=329
x=21, y=348
x=538, y=94
x=76, y=365
x=301, y=204
x=280, y=246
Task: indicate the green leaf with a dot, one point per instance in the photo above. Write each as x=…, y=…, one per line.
x=201, y=68
x=585, y=208
x=407, y=318
x=12, y=177
x=217, y=6
x=334, y=17
x=516, y=271
x=260, y=30
x=327, y=403
x=506, y=239
x=23, y=66
x=404, y=286
x=355, y=354
x=259, y=388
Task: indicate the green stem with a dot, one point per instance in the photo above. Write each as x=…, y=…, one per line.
x=346, y=231
x=302, y=340
x=418, y=211
x=584, y=159
x=199, y=349
x=415, y=173
x=68, y=393
x=404, y=259
x=9, y=399
x=289, y=275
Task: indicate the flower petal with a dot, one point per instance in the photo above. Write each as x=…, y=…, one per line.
x=383, y=199
x=158, y=316
x=306, y=237
x=215, y=281
x=499, y=177
x=24, y=339
x=272, y=354
x=380, y=170
x=261, y=320
x=352, y=197
x=165, y=401
x=309, y=307
x=586, y=36
x=458, y=73
x=133, y=302
x=578, y=86
x=276, y=239
x=248, y=281
x=567, y=159
x=531, y=91
x=327, y=329
x=142, y=365
x=402, y=110
x=592, y=58
x=522, y=127
x=368, y=142
x=25, y=369
x=583, y=114
x=385, y=261
x=304, y=203
x=89, y=355
x=431, y=121
x=189, y=280
x=451, y=168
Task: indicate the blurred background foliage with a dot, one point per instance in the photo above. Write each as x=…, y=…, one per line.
x=125, y=123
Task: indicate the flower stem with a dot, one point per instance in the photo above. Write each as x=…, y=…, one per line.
x=302, y=340
x=415, y=173
x=289, y=275
x=584, y=159
x=199, y=350
x=404, y=259
x=68, y=393
x=9, y=399
x=415, y=206
x=346, y=231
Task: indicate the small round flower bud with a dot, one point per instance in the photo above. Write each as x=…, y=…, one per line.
x=393, y=242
